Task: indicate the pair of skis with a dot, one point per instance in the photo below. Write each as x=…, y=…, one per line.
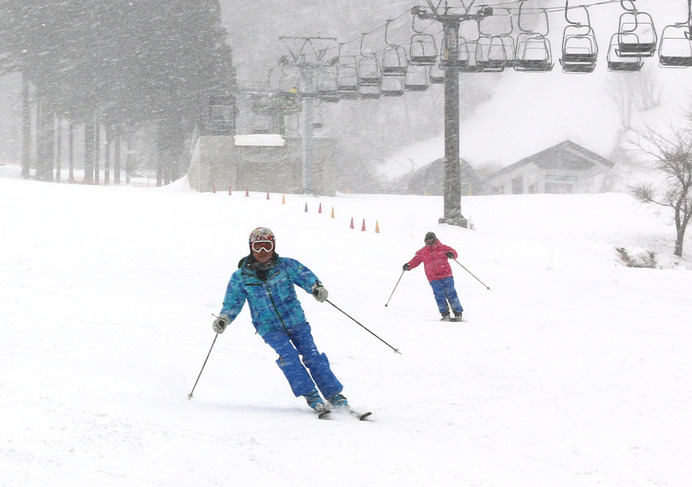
x=347, y=409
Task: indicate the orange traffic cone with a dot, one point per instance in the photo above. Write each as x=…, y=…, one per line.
x=332, y=212
x=377, y=226
x=362, y=229
x=351, y=223
x=283, y=200
x=319, y=210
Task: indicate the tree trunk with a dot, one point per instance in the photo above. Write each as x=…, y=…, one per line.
x=88, y=152
x=97, y=152
x=116, y=155
x=107, y=155
x=58, y=149
x=70, y=151
x=26, y=128
x=680, y=236
x=45, y=144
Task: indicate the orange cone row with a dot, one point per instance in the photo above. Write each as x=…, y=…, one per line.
x=319, y=209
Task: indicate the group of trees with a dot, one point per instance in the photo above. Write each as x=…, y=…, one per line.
x=115, y=65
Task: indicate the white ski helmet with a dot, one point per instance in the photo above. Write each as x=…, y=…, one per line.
x=262, y=234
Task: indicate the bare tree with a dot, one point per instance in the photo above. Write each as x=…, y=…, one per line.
x=638, y=91
x=672, y=158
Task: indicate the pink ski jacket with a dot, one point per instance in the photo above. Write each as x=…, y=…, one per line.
x=434, y=259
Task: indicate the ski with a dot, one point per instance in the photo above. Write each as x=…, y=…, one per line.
x=361, y=416
x=356, y=414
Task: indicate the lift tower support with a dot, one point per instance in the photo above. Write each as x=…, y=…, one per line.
x=451, y=18
x=308, y=55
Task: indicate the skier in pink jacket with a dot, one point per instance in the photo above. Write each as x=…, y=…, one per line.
x=434, y=257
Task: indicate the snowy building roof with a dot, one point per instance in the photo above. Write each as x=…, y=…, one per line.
x=565, y=155
x=259, y=140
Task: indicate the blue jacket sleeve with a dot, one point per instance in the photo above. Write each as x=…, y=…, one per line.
x=300, y=275
x=235, y=297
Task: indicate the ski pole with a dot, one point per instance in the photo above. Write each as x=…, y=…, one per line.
x=189, y=396
x=396, y=350
x=488, y=288
x=395, y=286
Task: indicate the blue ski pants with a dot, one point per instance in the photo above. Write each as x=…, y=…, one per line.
x=444, y=292
x=293, y=343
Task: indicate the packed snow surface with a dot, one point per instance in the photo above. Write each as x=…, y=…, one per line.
x=571, y=370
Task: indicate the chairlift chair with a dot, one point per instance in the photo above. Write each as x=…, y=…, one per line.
x=394, y=61
x=491, y=56
x=495, y=47
x=393, y=85
x=422, y=50
x=467, y=57
x=636, y=35
x=616, y=62
x=416, y=78
x=394, y=58
x=675, y=48
x=579, y=49
x=327, y=87
x=462, y=57
x=370, y=91
x=346, y=67
x=289, y=85
x=579, y=46
x=533, y=53
x=369, y=71
x=436, y=74
x=347, y=78
x=317, y=118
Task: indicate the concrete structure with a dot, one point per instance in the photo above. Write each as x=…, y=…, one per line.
x=563, y=168
x=259, y=162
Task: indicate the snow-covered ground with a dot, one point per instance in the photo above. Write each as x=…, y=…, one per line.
x=572, y=370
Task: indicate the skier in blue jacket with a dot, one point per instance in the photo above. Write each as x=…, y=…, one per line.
x=266, y=281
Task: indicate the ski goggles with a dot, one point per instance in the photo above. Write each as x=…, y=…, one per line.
x=262, y=246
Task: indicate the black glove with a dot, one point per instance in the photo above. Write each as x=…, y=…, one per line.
x=450, y=255
x=406, y=267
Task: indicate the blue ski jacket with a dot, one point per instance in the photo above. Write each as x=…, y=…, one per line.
x=273, y=301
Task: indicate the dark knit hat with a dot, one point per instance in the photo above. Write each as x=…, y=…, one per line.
x=430, y=237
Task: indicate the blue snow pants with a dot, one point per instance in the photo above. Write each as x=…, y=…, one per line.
x=293, y=343
x=444, y=292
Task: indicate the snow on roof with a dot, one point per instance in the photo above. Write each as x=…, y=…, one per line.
x=259, y=140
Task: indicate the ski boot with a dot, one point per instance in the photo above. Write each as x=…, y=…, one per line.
x=338, y=401
x=315, y=402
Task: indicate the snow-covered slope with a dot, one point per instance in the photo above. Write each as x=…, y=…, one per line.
x=571, y=370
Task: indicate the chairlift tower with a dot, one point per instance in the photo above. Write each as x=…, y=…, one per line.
x=308, y=55
x=451, y=18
